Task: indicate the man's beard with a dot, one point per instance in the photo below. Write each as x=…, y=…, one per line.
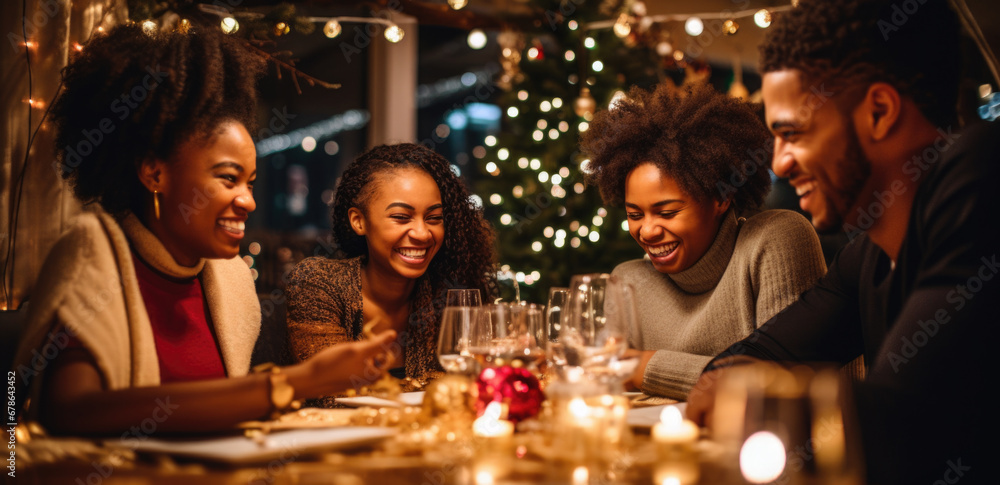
x=852, y=170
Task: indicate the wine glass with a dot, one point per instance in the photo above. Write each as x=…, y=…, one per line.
x=558, y=297
x=504, y=333
x=528, y=336
x=463, y=297
x=453, y=341
x=488, y=331
x=596, y=321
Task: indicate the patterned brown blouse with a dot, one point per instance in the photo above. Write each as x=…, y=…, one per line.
x=324, y=309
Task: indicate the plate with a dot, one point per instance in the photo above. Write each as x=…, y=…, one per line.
x=646, y=417
x=240, y=450
x=407, y=398
x=305, y=418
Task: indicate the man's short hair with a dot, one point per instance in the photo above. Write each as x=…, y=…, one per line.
x=911, y=44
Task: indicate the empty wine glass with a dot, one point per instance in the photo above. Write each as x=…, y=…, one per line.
x=453, y=341
x=596, y=322
x=463, y=298
x=553, y=316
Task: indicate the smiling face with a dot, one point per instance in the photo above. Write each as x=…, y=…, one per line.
x=403, y=222
x=816, y=148
x=206, y=194
x=674, y=229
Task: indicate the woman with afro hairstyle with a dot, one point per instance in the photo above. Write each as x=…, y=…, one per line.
x=144, y=304
x=690, y=167
x=408, y=232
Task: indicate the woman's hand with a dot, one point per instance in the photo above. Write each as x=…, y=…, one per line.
x=344, y=366
x=635, y=382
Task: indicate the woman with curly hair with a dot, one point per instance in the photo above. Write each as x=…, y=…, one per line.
x=144, y=304
x=408, y=231
x=690, y=167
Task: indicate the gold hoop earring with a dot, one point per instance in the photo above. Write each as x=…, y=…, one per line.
x=156, y=204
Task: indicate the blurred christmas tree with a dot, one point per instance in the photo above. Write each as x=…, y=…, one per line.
x=551, y=225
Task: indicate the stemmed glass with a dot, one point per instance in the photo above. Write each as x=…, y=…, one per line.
x=558, y=296
x=596, y=322
x=453, y=342
x=463, y=298
x=502, y=333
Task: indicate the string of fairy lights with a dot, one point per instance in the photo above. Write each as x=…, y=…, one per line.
x=559, y=182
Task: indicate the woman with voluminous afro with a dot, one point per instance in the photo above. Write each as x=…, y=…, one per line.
x=144, y=303
x=689, y=166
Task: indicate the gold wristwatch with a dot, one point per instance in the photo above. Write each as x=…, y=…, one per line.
x=282, y=393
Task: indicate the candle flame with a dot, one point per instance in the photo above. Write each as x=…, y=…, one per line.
x=578, y=407
x=762, y=458
x=489, y=424
x=484, y=478
x=581, y=475
x=493, y=411
x=671, y=416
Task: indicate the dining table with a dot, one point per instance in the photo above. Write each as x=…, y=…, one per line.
x=374, y=444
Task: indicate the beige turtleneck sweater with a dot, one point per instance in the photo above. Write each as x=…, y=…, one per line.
x=88, y=289
x=751, y=271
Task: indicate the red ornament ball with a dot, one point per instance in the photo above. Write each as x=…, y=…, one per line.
x=515, y=387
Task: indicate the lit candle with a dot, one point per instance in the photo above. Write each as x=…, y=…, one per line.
x=674, y=429
x=489, y=425
x=493, y=438
x=686, y=472
x=675, y=436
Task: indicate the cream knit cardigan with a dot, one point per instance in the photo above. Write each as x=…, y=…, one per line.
x=88, y=288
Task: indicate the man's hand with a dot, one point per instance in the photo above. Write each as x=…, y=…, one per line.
x=701, y=399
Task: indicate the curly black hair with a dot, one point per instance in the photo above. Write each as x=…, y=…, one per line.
x=714, y=146
x=130, y=96
x=914, y=46
x=467, y=255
